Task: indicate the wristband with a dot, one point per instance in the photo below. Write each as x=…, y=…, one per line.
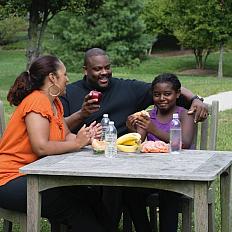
x=196, y=97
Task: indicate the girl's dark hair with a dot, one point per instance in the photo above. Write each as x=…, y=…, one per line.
x=32, y=79
x=167, y=77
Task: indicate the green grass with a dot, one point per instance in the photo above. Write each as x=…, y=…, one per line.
x=14, y=62
x=155, y=65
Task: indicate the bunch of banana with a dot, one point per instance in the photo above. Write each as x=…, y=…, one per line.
x=129, y=142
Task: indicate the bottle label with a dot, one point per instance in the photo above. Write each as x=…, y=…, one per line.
x=175, y=140
x=111, y=146
x=104, y=128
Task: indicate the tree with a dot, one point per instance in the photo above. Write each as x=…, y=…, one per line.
x=40, y=13
x=225, y=32
x=201, y=25
x=154, y=16
x=115, y=26
x=9, y=27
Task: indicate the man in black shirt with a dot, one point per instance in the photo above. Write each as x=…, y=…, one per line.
x=120, y=98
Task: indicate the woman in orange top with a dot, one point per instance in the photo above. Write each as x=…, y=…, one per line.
x=37, y=128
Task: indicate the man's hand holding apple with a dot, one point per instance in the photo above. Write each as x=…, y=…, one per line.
x=91, y=103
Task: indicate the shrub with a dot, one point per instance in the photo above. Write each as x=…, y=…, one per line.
x=9, y=27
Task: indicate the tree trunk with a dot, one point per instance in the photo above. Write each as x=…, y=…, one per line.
x=38, y=20
x=196, y=57
x=42, y=31
x=206, y=56
x=220, y=63
x=199, y=58
x=34, y=20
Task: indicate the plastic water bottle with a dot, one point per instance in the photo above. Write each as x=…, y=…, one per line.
x=104, y=123
x=175, y=135
x=111, y=139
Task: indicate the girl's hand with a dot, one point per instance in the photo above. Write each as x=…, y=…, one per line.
x=144, y=122
x=131, y=123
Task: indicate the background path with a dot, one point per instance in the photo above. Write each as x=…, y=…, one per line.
x=224, y=98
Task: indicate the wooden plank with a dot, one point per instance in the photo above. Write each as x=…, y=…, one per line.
x=184, y=187
x=12, y=215
x=226, y=200
x=204, y=134
x=189, y=165
x=33, y=204
x=201, y=207
x=214, y=125
x=187, y=209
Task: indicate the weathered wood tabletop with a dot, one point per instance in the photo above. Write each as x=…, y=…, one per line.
x=189, y=172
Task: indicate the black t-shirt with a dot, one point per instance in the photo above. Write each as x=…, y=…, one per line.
x=122, y=98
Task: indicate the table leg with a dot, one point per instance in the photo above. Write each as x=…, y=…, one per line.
x=226, y=200
x=33, y=204
x=201, y=207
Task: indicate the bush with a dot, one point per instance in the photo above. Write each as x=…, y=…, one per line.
x=116, y=26
x=9, y=27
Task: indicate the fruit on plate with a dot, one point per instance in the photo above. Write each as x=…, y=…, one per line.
x=129, y=137
x=98, y=145
x=129, y=142
x=95, y=95
x=127, y=148
x=154, y=147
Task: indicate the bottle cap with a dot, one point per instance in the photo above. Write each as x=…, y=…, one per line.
x=175, y=116
x=105, y=115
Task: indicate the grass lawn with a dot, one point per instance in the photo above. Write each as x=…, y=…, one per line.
x=14, y=62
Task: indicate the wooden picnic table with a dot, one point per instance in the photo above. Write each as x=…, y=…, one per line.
x=191, y=173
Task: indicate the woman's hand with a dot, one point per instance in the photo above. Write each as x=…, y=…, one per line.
x=96, y=130
x=84, y=136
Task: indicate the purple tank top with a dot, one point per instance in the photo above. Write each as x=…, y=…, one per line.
x=161, y=126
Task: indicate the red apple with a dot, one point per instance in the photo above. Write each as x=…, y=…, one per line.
x=95, y=95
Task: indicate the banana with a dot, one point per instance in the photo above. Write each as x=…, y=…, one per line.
x=129, y=143
x=125, y=148
x=127, y=137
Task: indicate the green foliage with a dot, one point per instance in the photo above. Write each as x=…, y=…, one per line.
x=155, y=16
x=40, y=13
x=12, y=8
x=21, y=7
x=115, y=26
x=9, y=27
x=201, y=25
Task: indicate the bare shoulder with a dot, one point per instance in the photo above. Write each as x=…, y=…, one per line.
x=184, y=115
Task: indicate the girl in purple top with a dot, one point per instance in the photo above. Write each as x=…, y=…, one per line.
x=166, y=90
